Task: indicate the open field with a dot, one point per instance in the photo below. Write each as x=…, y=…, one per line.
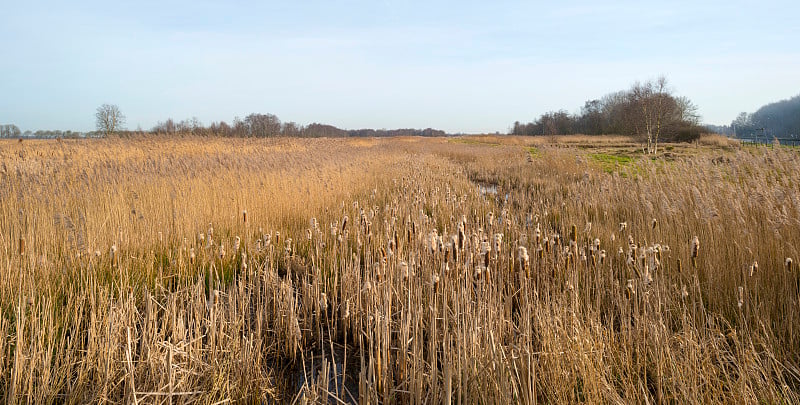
x=401, y=270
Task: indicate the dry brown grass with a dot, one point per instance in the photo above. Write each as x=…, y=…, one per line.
x=130, y=286
x=718, y=141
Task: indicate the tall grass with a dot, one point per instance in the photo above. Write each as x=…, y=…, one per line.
x=173, y=271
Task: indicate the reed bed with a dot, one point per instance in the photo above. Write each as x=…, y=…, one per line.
x=401, y=270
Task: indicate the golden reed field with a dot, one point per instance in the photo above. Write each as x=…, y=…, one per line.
x=402, y=270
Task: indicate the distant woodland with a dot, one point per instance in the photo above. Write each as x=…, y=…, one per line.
x=779, y=120
x=644, y=108
x=255, y=125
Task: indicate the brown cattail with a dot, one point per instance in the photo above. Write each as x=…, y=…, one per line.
x=602, y=257
x=113, y=254
x=323, y=302
x=741, y=296
x=695, y=250
x=788, y=263
x=753, y=268
x=404, y=270
x=435, y=282
x=191, y=256
x=630, y=291
x=655, y=222
x=21, y=246
x=522, y=258
x=244, y=217
x=288, y=246
x=236, y=244
x=573, y=234
x=498, y=242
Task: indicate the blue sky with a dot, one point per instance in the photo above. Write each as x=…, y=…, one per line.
x=459, y=66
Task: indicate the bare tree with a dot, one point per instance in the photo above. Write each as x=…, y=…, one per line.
x=109, y=119
x=655, y=103
x=9, y=131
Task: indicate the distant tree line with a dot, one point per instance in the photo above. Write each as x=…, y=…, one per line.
x=268, y=125
x=779, y=120
x=647, y=110
x=9, y=131
x=12, y=131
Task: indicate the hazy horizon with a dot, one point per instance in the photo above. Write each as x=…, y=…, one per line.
x=466, y=67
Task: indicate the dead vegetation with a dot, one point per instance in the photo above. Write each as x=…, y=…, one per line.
x=206, y=270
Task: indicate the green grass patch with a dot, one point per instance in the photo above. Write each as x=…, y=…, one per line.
x=533, y=151
x=611, y=163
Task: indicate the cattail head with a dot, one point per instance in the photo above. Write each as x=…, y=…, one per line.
x=191, y=256
x=655, y=223
x=435, y=282
x=288, y=246
x=244, y=217
x=216, y=297
x=623, y=226
x=573, y=233
x=695, y=247
x=602, y=256
x=21, y=246
x=630, y=291
x=236, y=244
x=741, y=296
x=522, y=257
x=404, y=270
x=113, y=254
x=490, y=218
x=313, y=223
x=753, y=268
x=344, y=223
x=498, y=242
x=221, y=251
x=684, y=292
x=323, y=302
x=308, y=234
x=788, y=263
